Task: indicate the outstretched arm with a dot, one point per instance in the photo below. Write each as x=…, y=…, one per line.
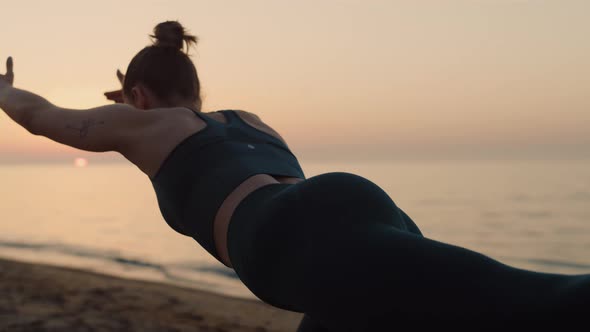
x=107, y=128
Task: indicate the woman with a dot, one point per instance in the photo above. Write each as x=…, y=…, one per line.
x=333, y=246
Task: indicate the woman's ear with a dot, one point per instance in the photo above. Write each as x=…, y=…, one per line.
x=140, y=98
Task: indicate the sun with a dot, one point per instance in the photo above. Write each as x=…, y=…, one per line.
x=80, y=162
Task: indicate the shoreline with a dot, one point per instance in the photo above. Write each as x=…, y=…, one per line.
x=50, y=298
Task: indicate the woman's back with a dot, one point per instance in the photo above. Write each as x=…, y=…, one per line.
x=202, y=170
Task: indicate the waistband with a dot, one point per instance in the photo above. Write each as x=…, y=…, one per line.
x=247, y=216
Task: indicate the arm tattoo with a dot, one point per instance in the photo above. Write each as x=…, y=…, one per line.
x=86, y=124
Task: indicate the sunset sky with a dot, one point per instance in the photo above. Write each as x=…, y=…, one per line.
x=339, y=79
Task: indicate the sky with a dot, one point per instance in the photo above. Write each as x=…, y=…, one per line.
x=339, y=79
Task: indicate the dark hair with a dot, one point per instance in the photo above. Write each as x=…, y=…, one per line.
x=164, y=67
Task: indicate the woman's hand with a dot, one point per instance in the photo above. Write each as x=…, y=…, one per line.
x=117, y=95
x=8, y=78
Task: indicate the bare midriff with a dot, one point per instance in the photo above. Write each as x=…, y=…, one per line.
x=227, y=208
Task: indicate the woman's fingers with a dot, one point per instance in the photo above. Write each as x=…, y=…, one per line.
x=116, y=96
x=9, y=65
x=120, y=76
x=9, y=70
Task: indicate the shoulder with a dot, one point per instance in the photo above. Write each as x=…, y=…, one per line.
x=159, y=119
x=157, y=116
x=134, y=127
x=247, y=114
x=159, y=124
x=148, y=145
x=255, y=121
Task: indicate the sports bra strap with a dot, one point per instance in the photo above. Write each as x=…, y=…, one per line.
x=230, y=115
x=202, y=117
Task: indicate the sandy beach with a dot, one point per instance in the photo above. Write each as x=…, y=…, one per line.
x=38, y=297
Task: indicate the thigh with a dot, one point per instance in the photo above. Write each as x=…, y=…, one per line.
x=379, y=274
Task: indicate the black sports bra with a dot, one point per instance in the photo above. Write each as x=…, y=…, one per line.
x=206, y=167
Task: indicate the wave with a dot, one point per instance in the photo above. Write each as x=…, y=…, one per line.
x=169, y=271
x=554, y=265
x=582, y=196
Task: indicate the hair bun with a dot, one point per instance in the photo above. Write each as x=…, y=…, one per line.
x=172, y=34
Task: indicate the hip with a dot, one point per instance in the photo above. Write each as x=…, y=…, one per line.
x=233, y=200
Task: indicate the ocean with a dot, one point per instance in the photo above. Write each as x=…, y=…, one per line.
x=105, y=218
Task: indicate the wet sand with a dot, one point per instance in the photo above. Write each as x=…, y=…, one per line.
x=36, y=297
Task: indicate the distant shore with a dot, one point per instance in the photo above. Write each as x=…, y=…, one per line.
x=37, y=297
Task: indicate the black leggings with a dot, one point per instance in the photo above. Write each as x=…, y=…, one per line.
x=337, y=248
